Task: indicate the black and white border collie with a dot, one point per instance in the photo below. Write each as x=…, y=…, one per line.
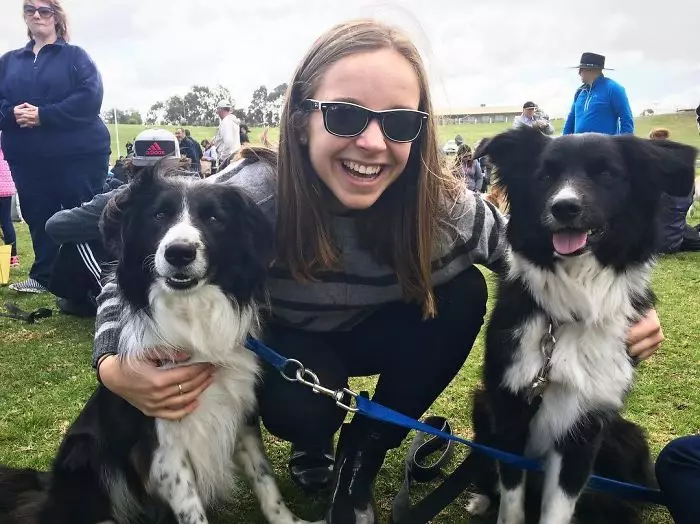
x=193, y=257
x=582, y=234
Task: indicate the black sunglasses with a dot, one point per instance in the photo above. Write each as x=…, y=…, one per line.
x=346, y=119
x=44, y=12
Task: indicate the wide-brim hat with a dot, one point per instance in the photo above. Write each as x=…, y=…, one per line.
x=592, y=61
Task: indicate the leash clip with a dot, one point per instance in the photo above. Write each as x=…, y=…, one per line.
x=308, y=378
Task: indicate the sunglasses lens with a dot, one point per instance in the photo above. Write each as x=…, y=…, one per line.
x=45, y=12
x=402, y=126
x=29, y=10
x=345, y=119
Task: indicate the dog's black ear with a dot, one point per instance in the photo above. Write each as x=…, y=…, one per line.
x=112, y=218
x=664, y=164
x=116, y=211
x=514, y=152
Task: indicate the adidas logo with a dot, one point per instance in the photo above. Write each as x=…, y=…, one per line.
x=155, y=150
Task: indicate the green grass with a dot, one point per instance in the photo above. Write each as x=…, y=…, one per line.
x=682, y=127
x=46, y=378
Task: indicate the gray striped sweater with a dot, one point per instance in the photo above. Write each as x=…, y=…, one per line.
x=473, y=233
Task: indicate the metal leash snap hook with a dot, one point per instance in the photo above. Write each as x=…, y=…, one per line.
x=300, y=370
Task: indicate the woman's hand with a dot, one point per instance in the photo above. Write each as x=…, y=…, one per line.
x=27, y=115
x=645, y=337
x=164, y=393
x=30, y=116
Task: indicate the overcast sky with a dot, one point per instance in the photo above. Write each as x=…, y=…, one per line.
x=494, y=52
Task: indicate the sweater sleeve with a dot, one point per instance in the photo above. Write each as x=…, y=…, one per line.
x=570, y=124
x=83, y=105
x=477, y=225
x=7, y=109
x=621, y=106
x=110, y=303
x=79, y=224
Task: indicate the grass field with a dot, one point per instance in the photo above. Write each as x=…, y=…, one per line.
x=45, y=374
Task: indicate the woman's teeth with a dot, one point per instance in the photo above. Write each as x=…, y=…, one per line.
x=362, y=170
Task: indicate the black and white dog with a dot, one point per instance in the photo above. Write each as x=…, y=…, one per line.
x=556, y=373
x=193, y=257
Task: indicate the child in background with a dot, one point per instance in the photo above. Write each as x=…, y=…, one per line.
x=7, y=190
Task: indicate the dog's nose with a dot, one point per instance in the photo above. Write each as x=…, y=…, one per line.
x=180, y=254
x=566, y=208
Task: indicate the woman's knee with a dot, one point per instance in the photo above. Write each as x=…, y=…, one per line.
x=679, y=454
x=293, y=412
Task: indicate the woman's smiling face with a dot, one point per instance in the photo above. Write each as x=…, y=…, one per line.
x=357, y=170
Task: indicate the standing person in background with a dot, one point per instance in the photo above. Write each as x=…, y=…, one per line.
x=243, y=134
x=189, y=148
x=468, y=168
x=53, y=138
x=196, y=144
x=531, y=119
x=228, y=138
x=7, y=190
x=600, y=104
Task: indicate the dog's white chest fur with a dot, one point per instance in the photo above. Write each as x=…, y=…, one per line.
x=592, y=309
x=206, y=323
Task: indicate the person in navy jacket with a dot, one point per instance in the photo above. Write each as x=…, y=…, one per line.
x=52, y=135
x=600, y=104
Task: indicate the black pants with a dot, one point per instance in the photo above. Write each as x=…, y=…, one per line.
x=691, y=239
x=678, y=473
x=6, y=225
x=415, y=359
x=45, y=187
x=77, y=272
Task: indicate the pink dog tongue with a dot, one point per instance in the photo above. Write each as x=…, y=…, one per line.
x=569, y=242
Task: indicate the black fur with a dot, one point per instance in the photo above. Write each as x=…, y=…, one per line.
x=618, y=181
x=110, y=438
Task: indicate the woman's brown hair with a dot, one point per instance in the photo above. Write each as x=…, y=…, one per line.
x=400, y=228
x=60, y=18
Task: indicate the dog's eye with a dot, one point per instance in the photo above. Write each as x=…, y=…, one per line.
x=160, y=215
x=212, y=219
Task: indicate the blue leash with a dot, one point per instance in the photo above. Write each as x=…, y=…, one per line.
x=381, y=413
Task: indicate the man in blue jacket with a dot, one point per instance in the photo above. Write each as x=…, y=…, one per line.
x=600, y=104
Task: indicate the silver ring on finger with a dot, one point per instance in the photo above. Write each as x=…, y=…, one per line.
x=179, y=386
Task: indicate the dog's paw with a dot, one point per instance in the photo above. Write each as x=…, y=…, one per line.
x=478, y=504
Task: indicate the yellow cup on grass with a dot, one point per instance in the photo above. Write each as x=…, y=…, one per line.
x=5, y=252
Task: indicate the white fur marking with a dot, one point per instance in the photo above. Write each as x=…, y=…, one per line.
x=512, y=508
x=478, y=504
x=557, y=506
x=567, y=192
x=251, y=457
x=590, y=365
x=173, y=479
x=182, y=232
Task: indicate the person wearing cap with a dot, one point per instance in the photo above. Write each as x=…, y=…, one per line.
x=227, y=140
x=530, y=118
x=76, y=275
x=600, y=104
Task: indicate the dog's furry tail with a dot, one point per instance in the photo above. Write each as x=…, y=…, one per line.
x=21, y=493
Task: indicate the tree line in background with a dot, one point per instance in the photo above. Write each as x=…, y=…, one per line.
x=198, y=108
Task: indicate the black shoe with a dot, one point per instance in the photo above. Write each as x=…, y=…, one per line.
x=358, y=461
x=311, y=469
x=75, y=308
